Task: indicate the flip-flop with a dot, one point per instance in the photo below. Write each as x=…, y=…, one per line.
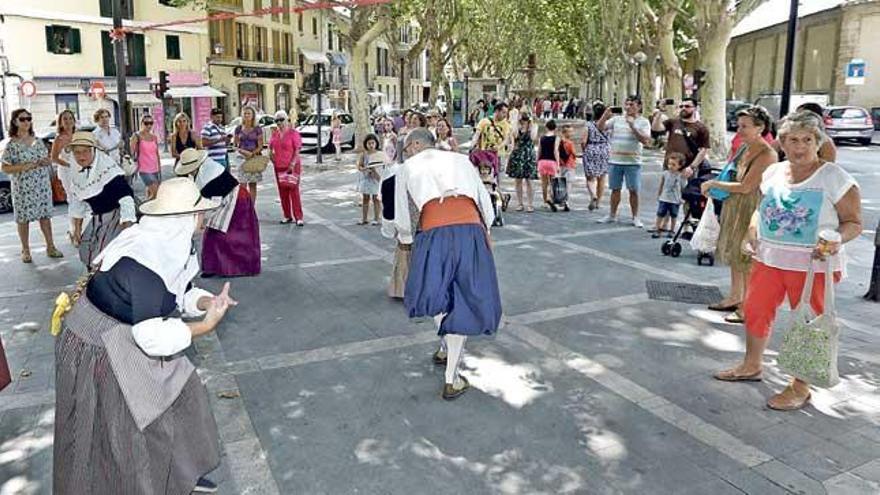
x=728, y=376
x=520, y=208
x=735, y=318
x=723, y=308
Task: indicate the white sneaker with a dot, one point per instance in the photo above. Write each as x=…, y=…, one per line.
x=637, y=223
x=607, y=219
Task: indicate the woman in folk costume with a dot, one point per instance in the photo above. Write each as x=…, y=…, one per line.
x=452, y=272
x=131, y=414
x=403, y=249
x=99, y=189
x=231, y=246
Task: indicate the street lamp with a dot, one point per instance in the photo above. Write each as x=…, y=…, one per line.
x=402, y=52
x=639, y=58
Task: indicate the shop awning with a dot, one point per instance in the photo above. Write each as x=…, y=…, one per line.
x=138, y=99
x=338, y=58
x=194, y=92
x=376, y=94
x=314, y=56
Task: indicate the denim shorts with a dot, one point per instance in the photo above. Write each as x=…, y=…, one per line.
x=665, y=209
x=618, y=174
x=149, y=179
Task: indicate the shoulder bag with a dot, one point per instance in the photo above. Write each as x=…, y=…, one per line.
x=810, y=345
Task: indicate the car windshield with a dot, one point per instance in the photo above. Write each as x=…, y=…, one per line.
x=313, y=120
x=847, y=113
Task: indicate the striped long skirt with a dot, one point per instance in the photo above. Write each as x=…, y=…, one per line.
x=98, y=233
x=98, y=446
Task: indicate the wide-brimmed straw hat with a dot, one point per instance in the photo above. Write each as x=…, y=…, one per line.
x=190, y=160
x=83, y=138
x=177, y=196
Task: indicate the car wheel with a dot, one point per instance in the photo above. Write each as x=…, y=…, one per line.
x=865, y=141
x=5, y=198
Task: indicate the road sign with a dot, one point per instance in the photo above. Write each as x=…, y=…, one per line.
x=28, y=89
x=855, y=72
x=97, y=90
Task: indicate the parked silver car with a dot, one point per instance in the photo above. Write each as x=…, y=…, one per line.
x=849, y=123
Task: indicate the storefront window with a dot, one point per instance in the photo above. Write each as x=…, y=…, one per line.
x=282, y=96
x=251, y=94
x=67, y=102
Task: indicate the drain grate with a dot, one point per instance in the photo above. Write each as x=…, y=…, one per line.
x=681, y=292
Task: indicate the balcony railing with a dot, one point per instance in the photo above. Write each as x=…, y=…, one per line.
x=233, y=5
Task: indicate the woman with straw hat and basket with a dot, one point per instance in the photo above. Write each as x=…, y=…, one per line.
x=100, y=193
x=131, y=414
x=231, y=245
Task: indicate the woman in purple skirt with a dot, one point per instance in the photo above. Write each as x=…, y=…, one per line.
x=231, y=245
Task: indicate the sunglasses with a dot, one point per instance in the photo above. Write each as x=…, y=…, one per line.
x=278, y=121
x=25, y=119
x=685, y=106
x=148, y=122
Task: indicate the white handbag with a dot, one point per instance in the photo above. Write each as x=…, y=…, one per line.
x=705, y=238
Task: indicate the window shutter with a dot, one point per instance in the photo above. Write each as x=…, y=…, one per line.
x=75, y=42
x=50, y=39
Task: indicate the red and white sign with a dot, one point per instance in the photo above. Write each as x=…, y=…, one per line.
x=97, y=90
x=28, y=89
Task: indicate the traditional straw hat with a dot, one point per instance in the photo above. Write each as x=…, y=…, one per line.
x=190, y=160
x=177, y=196
x=83, y=138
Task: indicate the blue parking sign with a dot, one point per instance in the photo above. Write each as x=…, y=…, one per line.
x=855, y=72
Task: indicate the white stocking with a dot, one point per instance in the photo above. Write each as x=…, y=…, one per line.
x=438, y=319
x=455, y=346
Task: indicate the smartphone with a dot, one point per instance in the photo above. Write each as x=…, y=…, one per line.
x=670, y=101
x=617, y=110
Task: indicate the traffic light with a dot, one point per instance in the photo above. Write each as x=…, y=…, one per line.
x=162, y=87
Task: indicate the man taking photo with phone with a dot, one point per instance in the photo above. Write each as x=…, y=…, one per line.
x=628, y=131
x=685, y=135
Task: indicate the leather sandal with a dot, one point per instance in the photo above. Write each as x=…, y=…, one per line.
x=54, y=253
x=785, y=402
x=26, y=257
x=731, y=376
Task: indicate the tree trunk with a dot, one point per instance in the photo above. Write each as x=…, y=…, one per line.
x=360, y=106
x=359, y=42
x=671, y=68
x=436, y=59
x=649, y=89
x=713, y=94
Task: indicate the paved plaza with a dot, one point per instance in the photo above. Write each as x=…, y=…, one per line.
x=321, y=385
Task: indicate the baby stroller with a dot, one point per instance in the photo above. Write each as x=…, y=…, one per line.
x=694, y=205
x=487, y=167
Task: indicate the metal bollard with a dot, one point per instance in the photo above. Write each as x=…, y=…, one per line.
x=874, y=287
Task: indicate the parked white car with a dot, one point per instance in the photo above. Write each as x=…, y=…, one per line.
x=308, y=130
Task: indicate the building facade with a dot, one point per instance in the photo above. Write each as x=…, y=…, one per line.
x=252, y=59
x=828, y=40
x=54, y=44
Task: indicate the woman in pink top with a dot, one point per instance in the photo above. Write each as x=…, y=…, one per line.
x=284, y=149
x=145, y=148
